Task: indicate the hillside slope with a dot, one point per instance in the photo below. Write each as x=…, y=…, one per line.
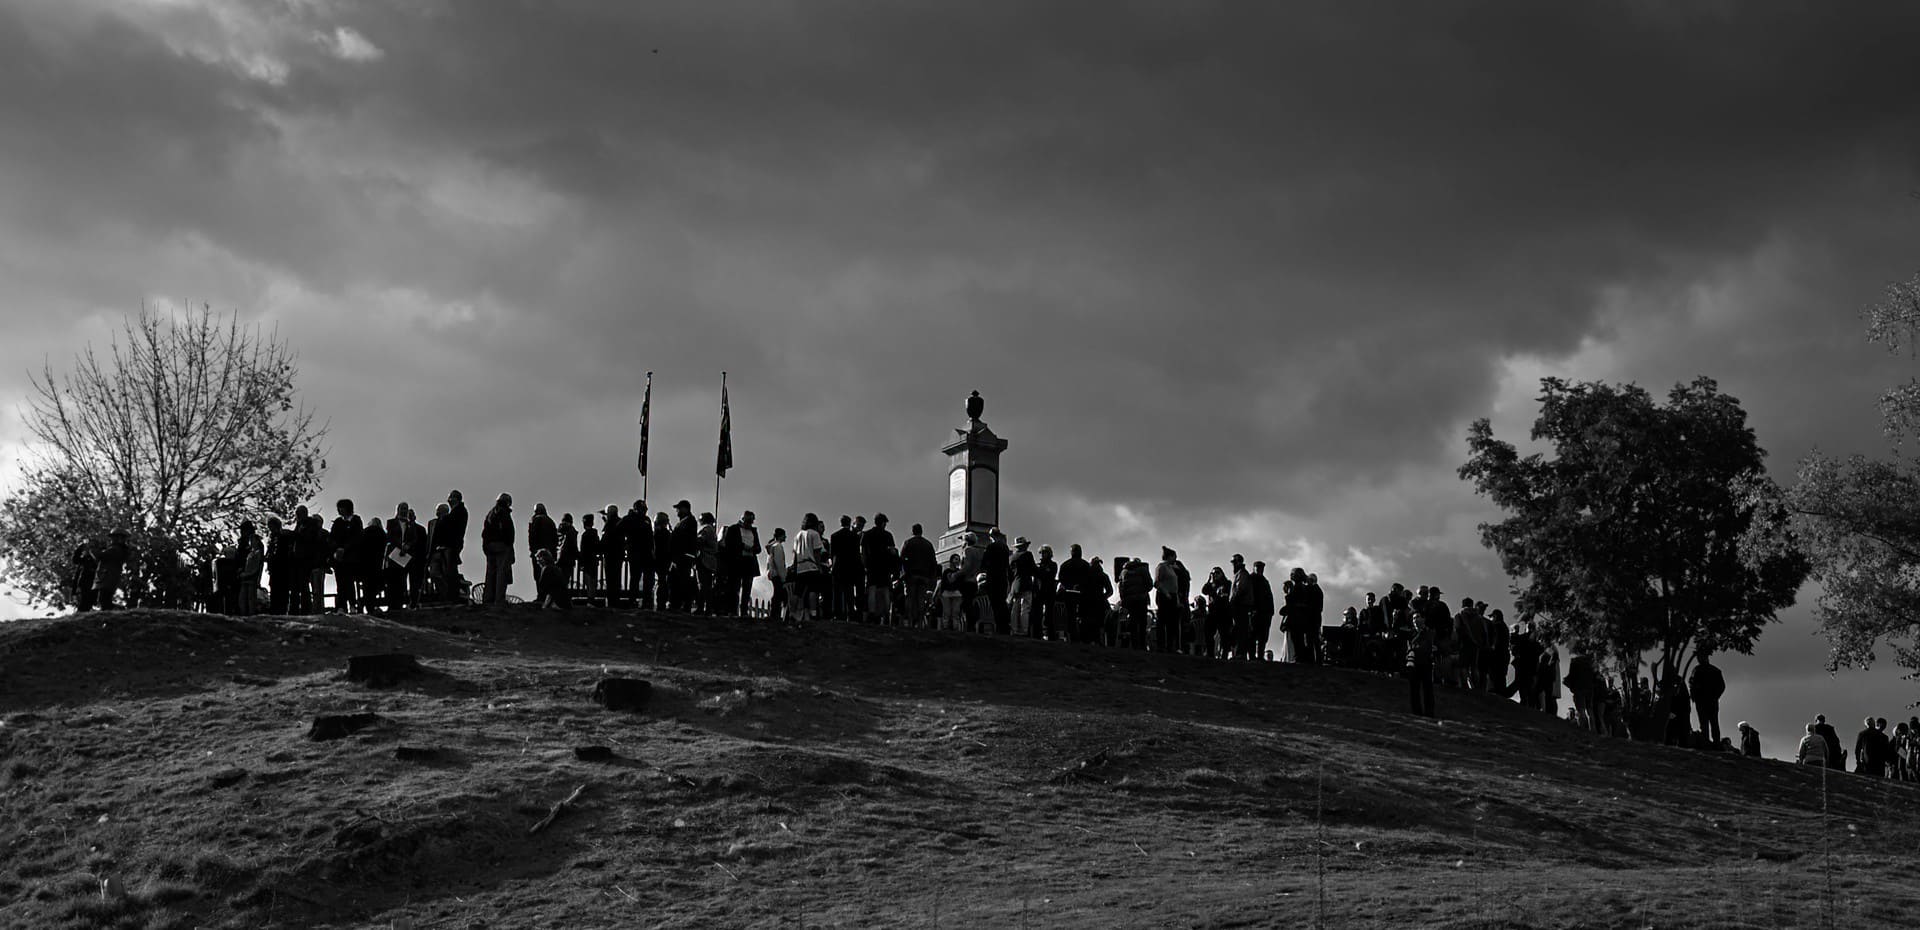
x=858, y=777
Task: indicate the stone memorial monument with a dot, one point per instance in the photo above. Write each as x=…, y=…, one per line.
x=973, y=487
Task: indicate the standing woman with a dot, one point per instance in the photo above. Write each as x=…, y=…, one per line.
x=809, y=568
x=777, y=573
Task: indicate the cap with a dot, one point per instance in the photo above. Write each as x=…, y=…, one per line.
x=1022, y=542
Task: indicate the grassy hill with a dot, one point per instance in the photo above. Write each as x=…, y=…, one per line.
x=849, y=776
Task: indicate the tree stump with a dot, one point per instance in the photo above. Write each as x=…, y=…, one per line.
x=622, y=693
x=340, y=726
x=382, y=670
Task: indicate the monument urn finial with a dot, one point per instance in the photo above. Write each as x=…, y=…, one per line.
x=975, y=405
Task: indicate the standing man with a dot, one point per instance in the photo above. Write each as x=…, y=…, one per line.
x=1831, y=739
x=1025, y=572
x=496, y=542
x=922, y=569
x=881, y=559
x=613, y=554
x=1075, y=581
x=997, y=565
x=1046, y=606
x=642, y=567
x=311, y=597
x=569, y=555
x=739, y=564
x=456, y=537
x=589, y=556
x=844, y=548
x=1136, y=592
x=344, y=537
x=85, y=568
x=1169, y=600
x=1241, y=601
x=1260, y=624
x=1706, y=685
x=685, y=543
x=542, y=534
x=109, y=568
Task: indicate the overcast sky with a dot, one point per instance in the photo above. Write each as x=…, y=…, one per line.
x=1232, y=277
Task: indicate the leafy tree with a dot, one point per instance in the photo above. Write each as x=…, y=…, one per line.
x=186, y=426
x=1632, y=536
x=1859, y=518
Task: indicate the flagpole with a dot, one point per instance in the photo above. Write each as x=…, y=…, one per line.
x=646, y=426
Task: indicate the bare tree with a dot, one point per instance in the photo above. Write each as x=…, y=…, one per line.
x=186, y=426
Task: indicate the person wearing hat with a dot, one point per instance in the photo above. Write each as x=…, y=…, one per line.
x=112, y=563
x=613, y=553
x=496, y=542
x=707, y=564
x=1024, y=571
x=684, y=554
x=997, y=564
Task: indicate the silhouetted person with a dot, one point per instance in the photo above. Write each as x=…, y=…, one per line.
x=1071, y=594
x=1583, y=682
x=1834, y=758
x=344, y=537
x=418, y=545
x=1169, y=601
x=1706, y=685
x=456, y=535
x=551, y=581
x=740, y=563
x=1241, y=598
x=1025, y=568
x=997, y=564
x=1525, y=648
x=613, y=555
x=439, y=559
x=663, y=561
x=807, y=580
x=1813, y=748
x=496, y=542
x=777, y=559
x=568, y=557
x=1871, y=751
x=1749, y=740
x=1260, y=618
x=311, y=598
x=542, y=533
x=589, y=556
x=844, y=547
x=283, y=546
x=1098, y=604
x=642, y=569
x=251, y=556
x=707, y=563
x=1136, y=593
x=82, y=569
x=370, y=554
x=685, y=543
x=921, y=568
x=1046, y=575
x=110, y=567
x=951, y=592
x=1419, y=668
x=397, y=563
x=881, y=560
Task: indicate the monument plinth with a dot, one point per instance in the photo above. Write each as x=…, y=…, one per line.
x=973, y=487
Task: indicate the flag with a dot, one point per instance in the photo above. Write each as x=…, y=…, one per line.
x=725, y=459
x=646, y=418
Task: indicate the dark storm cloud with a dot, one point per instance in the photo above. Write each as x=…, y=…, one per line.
x=1231, y=274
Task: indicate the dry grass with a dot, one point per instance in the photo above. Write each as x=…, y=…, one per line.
x=856, y=777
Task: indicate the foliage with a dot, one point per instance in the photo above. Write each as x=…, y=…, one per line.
x=1633, y=536
x=1860, y=518
x=186, y=426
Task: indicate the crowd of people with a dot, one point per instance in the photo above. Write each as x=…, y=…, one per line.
x=862, y=573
